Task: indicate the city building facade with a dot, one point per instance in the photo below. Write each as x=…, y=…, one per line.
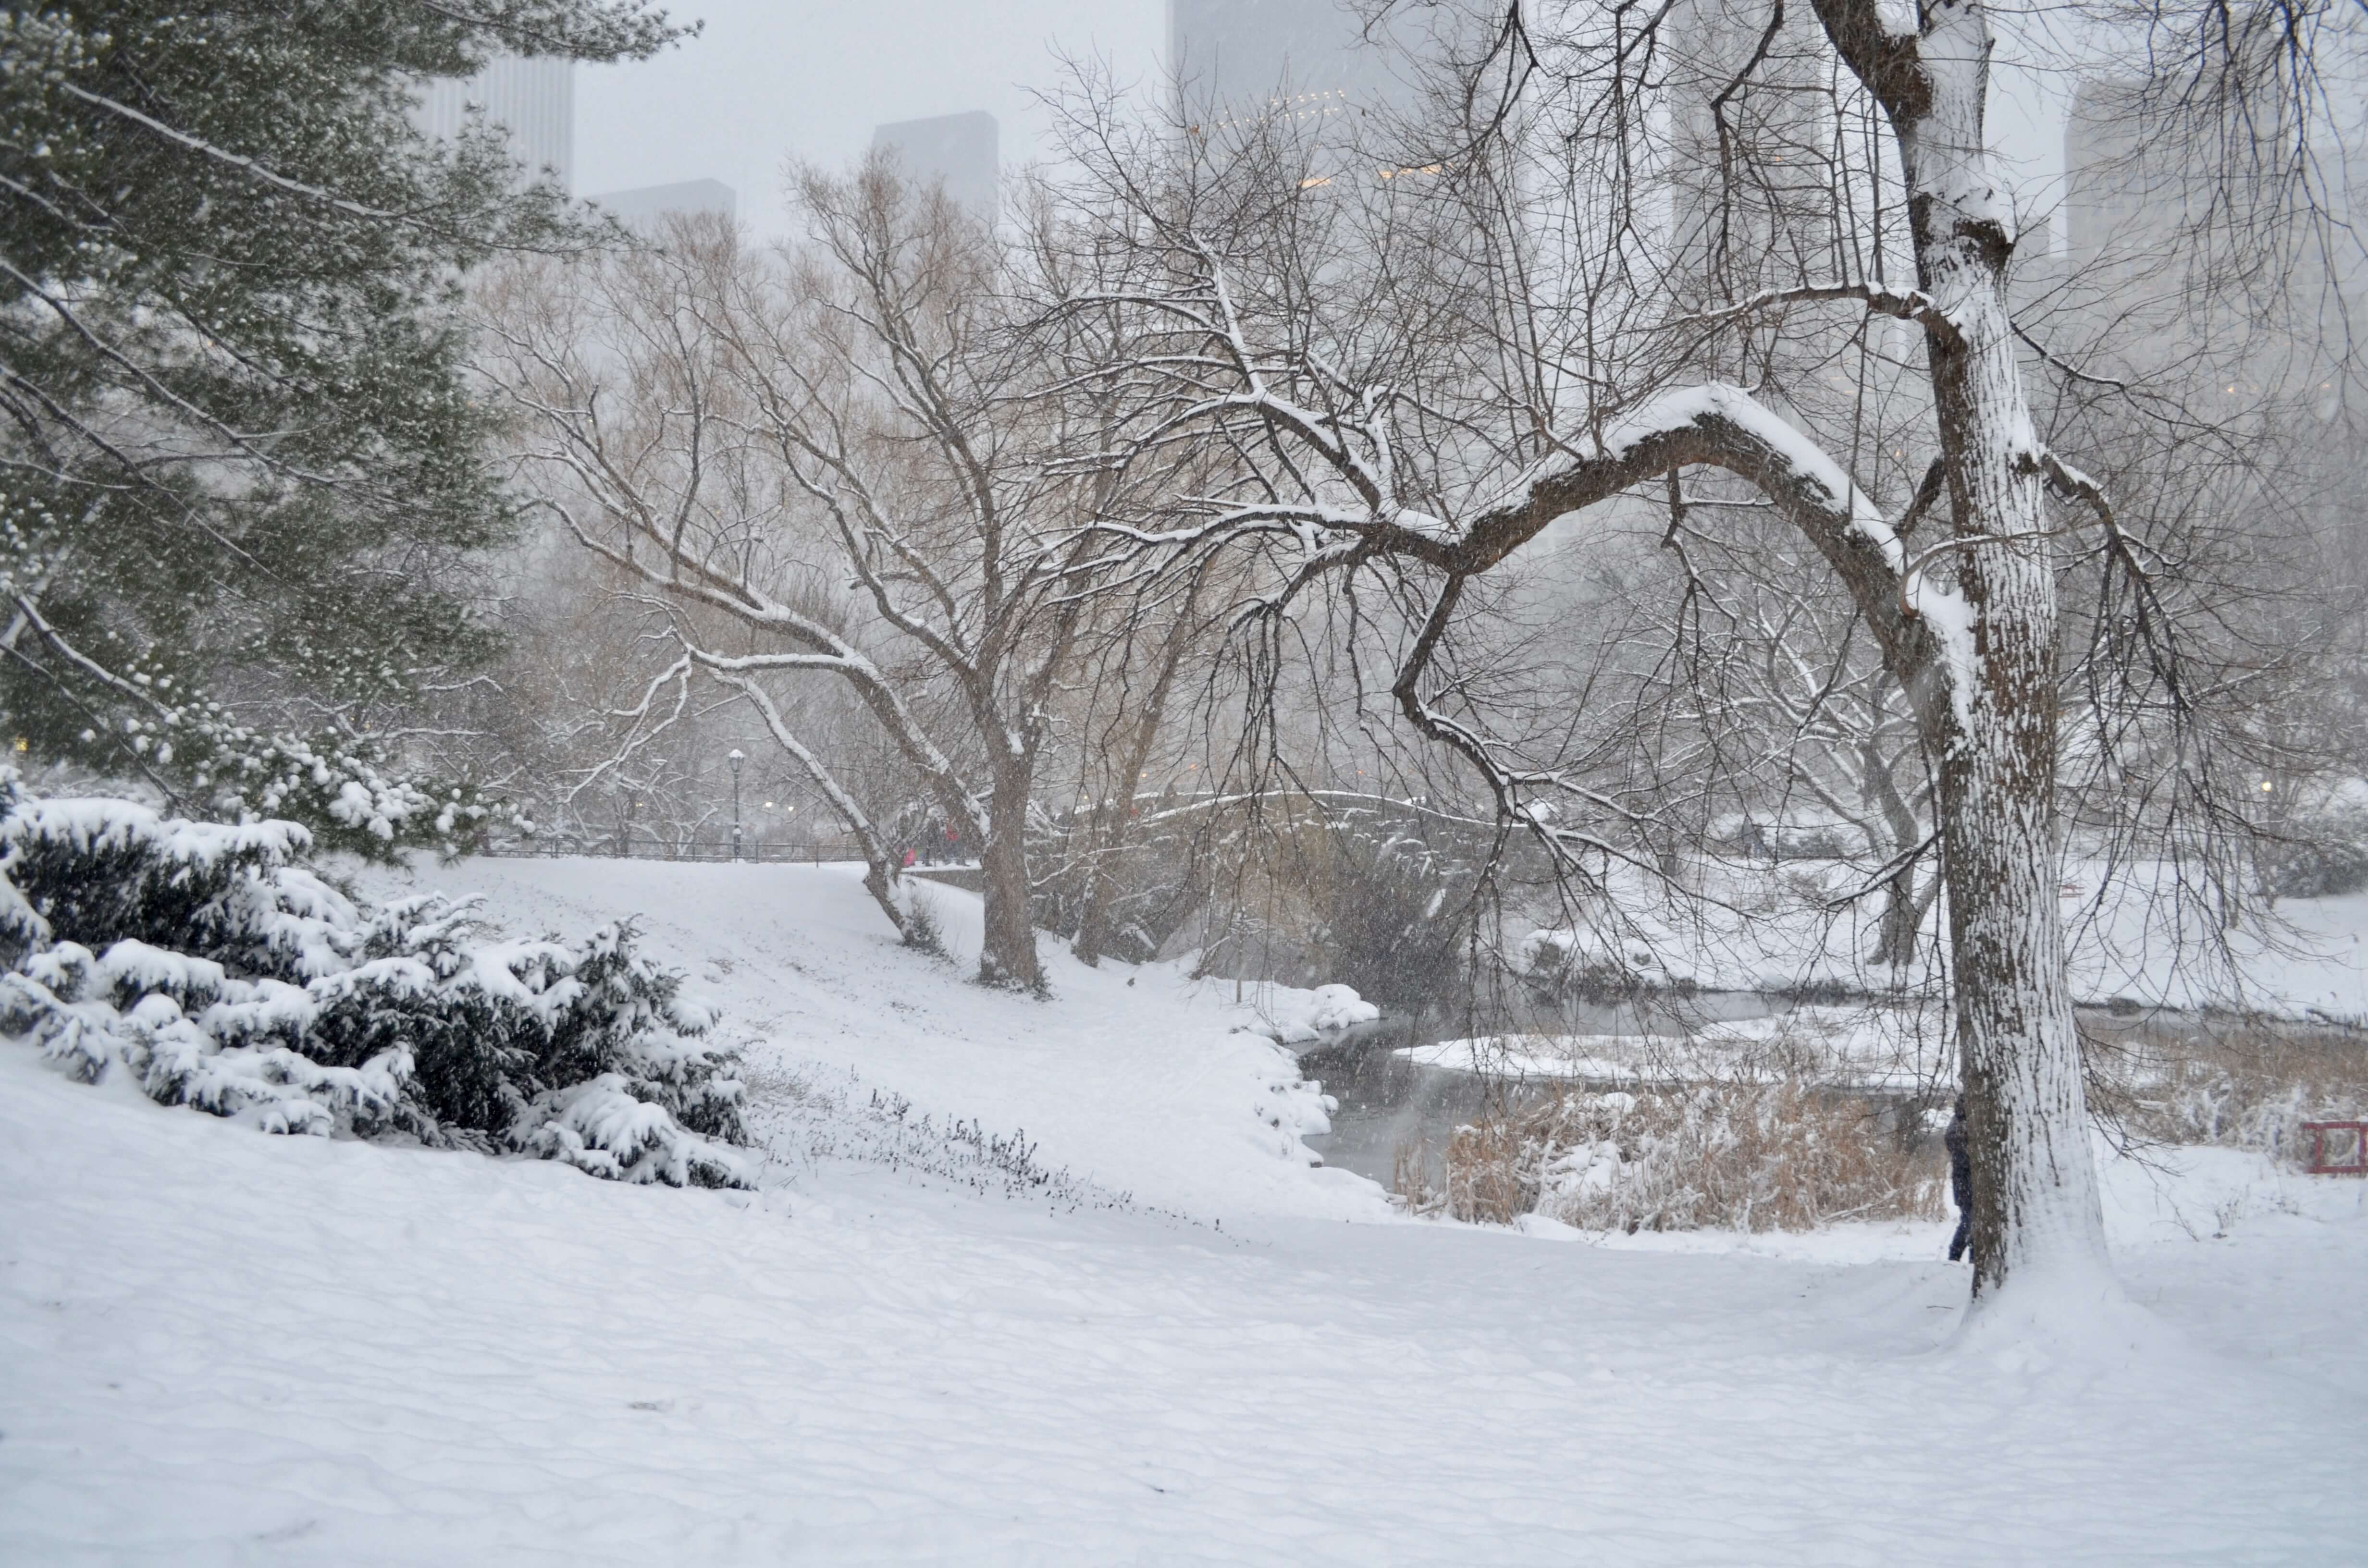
x=963, y=151
x=533, y=99
x=648, y=205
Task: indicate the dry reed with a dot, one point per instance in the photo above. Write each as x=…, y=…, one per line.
x=1740, y=1156
x=2239, y=1083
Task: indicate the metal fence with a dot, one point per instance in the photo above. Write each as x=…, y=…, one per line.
x=800, y=852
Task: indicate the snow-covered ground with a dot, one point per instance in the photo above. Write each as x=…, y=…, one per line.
x=221, y=1347
x=1868, y=1046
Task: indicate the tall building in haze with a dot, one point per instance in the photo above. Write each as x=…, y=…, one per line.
x=1751, y=144
x=1305, y=63
x=2188, y=254
x=959, y=149
x=534, y=99
x=647, y=206
x=2127, y=196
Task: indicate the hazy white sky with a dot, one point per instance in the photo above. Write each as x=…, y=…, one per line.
x=770, y=78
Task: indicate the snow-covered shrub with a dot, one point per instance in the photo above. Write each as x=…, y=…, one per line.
x=350, y=796
x=1739, y=1156
x=2323, y=855
x=1578, y=963
x=924, y=925
x=205, y=962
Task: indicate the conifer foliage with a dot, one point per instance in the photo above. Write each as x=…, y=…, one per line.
x=246, y=490
x=208, y=966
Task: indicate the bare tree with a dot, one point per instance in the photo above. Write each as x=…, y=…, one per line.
x=1414, y=387
x=1802, y=723
x=1151, y=647
x=634, y=434
x=825, y=464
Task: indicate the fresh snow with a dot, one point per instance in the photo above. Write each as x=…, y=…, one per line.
x=1862, y=1048
x=227, y=1347
x=1185, y=1107
x=1298, y=1017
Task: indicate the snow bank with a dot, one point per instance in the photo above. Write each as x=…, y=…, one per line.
x=1842, y=1047
x=2132, y=938
x=1294, y=1016
x=223, y=1349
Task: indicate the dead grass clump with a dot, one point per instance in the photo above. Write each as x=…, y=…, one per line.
x=1411, y=1166
x=1739, y=1156
x=2247, y=1085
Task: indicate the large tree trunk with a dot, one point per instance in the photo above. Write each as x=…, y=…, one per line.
x=1896, y=932
x=1992, y=725
x=2035, y=1206
x=879, y=882
x=1093, y=926
x=1008, y=957
x=1093, y=920
x=1903, y=912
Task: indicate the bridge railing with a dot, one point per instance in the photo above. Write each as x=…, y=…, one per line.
x=788, y=852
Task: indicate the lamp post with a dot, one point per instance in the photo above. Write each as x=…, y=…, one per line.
x=736, y=759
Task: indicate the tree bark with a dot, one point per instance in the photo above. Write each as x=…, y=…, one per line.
x=2035, y=1203
x=1008, y=958
x=1093, y=924
x=879, y=882
x=1903, y=912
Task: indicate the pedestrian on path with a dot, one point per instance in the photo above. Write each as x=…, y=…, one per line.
x=1961, y=1180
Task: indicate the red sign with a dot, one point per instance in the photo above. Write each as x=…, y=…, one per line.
x=2338, y=1148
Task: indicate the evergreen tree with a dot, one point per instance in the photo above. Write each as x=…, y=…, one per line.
x=243, y=484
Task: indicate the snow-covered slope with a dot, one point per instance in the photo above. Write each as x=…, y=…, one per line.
x=1136, y=1079
x=217, y=1346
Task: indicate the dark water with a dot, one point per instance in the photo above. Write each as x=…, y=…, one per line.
x=1388, y=1103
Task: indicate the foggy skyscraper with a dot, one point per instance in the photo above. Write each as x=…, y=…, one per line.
x=1752, y=148
x=650, y=205
x=1305, y=62
x=534, y=99
x=961, y=150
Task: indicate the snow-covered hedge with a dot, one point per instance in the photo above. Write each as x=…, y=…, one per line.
x=1599, y=967
x=2322, y=855
x=208, y=965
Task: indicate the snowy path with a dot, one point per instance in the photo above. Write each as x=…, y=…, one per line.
x=217, y=1346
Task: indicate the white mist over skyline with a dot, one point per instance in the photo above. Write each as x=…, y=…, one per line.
x=766, y=80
